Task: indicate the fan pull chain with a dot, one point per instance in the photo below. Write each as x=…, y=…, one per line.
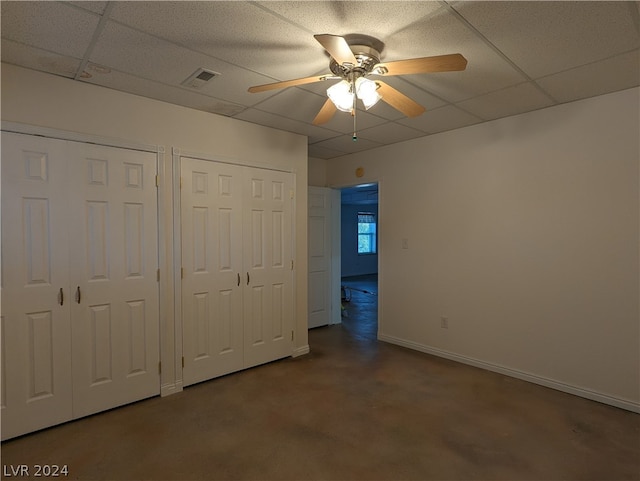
x=355, y=136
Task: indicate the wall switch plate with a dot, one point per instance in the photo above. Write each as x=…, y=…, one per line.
x=444, y=322
x=405, y=243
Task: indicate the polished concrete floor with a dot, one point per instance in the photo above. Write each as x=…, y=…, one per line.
x=353, y=409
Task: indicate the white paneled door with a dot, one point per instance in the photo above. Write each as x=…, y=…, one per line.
x=237, y=301
x=211, y=213
x=319, y=256
x=36, y=324
x=268, y=297
x=113, y=241
x=80, y=323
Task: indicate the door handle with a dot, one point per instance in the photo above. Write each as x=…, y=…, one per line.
x=248, y=278
x=78, y=295
x=238, y=279
x=61, y=297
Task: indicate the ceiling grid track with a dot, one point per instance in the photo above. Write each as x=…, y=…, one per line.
x=94, y=40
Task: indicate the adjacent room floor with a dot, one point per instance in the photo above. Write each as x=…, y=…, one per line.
x=353, y=409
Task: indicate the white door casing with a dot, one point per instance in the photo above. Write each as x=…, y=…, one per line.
x=320, y=278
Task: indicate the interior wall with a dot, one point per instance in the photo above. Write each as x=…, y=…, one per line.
x=317, y=172
x=523, y=232
x=44, y=100
x=354, y=264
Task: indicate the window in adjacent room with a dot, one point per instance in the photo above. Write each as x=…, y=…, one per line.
x=366, y=233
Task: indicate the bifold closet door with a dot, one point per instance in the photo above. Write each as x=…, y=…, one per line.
x=35, y=322
x=113, y=241
x=237, y=301
x=211, y=223
x=80, y=320
x=267, y=235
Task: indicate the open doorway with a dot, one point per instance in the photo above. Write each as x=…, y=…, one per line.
x=359, y=260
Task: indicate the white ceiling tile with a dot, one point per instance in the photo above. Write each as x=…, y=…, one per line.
x=509, y=101
x=346, y=144
x=37, y=59
x=95, y=7
x=376, y=19
x=439, y=120
x=442, y=34
x=547, y=37
x=322, y=152
x=237, y=32
x=390, y=133
x=146, y=56
x=313, y=132
x=158, y=91
x=59, y=28
x=617, y=73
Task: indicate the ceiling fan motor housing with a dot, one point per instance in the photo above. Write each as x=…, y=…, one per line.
x=367, y=58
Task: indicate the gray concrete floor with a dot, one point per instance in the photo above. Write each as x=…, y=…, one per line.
x=353, y=409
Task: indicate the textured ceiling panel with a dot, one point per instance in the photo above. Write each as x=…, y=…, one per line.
x=616, y=73
x=149, y=57
x=521, y=56
x=376, y=19
x=546, y=37
x=439, y=120
x=37, y=59
x=510, y=101
x=390, y=133
x=237, y=32
x=51, y=26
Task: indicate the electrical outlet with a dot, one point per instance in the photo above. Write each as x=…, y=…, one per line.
x=444, y=322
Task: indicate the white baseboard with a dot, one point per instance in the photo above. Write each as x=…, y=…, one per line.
x=170, y=388
x=550, y=383
x=301, y=351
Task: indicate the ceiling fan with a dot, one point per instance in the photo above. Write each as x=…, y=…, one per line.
x=352, y=62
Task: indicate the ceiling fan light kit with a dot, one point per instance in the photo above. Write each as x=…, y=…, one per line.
x=352, y=63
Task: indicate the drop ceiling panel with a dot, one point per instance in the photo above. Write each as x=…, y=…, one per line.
x=443, y=34
x=95, y=7
x=546, y=37
x=509, y=101
x=346, y=144
x=159, y=91
x=237, y=32
x=617, y=73
x=149, y=57
x=439, y=120
x=376, y=19
x=58, y=28
x=390, y=133
x=323, y=152
x=314, y=133
x=38, y=59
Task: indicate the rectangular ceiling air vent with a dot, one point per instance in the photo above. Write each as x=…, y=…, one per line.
x=199, y=78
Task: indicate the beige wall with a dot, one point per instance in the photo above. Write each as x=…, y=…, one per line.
x=44, y=100
x=524, y=233
x=317, y=172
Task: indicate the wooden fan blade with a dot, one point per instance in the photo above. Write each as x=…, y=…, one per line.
x=440, y=63
x=325, y=114
x=337, y=47
x=287, y=83
x=398, y=100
